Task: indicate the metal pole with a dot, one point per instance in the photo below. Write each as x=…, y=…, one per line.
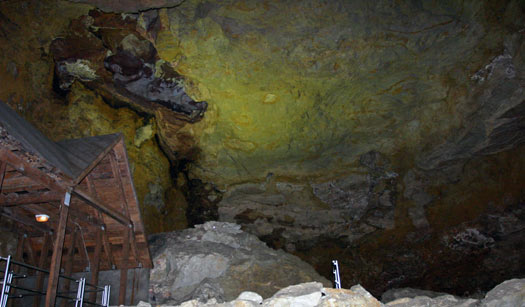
x=80, y=292
x=337, y=278
x=105, y=296
x=4, y=282
x=8, y=286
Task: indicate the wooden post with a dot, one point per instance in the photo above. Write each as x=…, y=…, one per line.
x=54, y=271
x=96, y=265
x=124, y=268
x=68, y=269
x=41, y=264
x=30, y=253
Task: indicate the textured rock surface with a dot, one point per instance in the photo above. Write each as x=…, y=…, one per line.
x=510, y=293
x=383, y=134
x=218, y=260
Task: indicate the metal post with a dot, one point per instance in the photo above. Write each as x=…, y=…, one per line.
x=8, y=286
x=105, y=295
x=4, y=282
x=80, y=292
x=337, y=278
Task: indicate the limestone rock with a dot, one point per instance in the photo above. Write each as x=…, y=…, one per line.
x=218, y=260
x=510, y=293
x=440, y=301
x=396, y=293
x=303, y=295
x=507, y=294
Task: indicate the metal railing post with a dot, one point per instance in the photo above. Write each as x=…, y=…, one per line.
x=80, y=292
x=105, y=295
x=7, y=288
x=337, y=277
x=3, y=297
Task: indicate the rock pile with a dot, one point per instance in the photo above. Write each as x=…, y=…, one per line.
x=219, y=261
x=510, y=293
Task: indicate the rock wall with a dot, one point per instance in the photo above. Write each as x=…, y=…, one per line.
x=388, y=135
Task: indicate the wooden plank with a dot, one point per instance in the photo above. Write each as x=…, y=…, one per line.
x=26, y=221
x=103, y=208
x=96, y=264
x=124, y=268
x=14, y=199
x=68, y=266
x=54, y=270
x=41, y=264
x=139, y=226
x=3, y=166
x=97, y=160
x=105, y=239
x=81, y=244
x=117, y=175
x=34, y=173
x=30, y=253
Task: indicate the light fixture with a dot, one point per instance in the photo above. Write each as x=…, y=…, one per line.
x=41, y=218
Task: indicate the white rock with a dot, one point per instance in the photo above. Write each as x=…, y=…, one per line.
x=510, y=293
x=250, y=296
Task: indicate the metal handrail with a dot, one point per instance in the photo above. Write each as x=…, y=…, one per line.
x=6, y=285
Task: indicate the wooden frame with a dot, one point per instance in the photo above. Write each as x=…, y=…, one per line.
x=85, y=186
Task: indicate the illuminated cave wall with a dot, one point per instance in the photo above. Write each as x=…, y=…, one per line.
x=386, y=134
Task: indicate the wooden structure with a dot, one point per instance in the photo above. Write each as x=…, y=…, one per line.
x=85, y=187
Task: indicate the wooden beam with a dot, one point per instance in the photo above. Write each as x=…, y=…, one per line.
x=114, y=214
x=41, y=264
x=124, y=268
x=97, y=160
x=118, y=176
x=82, y=251
x=96, y=264
x=105, y=239
x=34, y=173
x=14, y=199
x=25, y=221
x=30, y=253
x=3, y=166
x=54, y=270
x=68, y=266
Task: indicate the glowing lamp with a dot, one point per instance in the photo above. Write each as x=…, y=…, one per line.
x=41, y=218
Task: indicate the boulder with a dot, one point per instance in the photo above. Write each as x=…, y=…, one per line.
x=219, y=261
x=510, y=293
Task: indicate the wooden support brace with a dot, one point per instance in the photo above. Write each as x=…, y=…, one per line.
x=30, y=253
x=41, y=264
x=105, y=239
x=68, y=267
x=29, y=198
x=124, y=268
x=3, y=166
x=96, y=264
x=117, y=175
x=82, y=249
x=54, y=270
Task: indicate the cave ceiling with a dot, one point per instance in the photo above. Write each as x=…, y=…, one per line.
x=375, y=131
